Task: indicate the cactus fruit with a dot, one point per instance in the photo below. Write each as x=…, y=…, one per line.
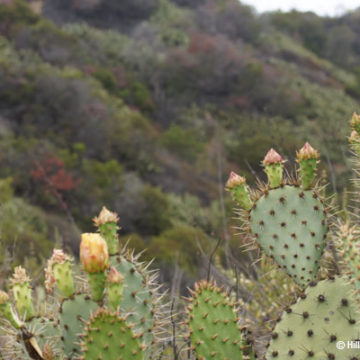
x=288, y=222
x=274, y=167
x=108, y=336
x=21, y=289
x=355, y=122
x=106, y=223
x=326, y=313
x=308, y=159
x=73, y=314
x=239, y=191
x=214, y=332
x=115, y=287
x=59, y=271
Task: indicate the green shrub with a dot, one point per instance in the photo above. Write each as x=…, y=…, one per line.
x=153, y=217
x=17, y=12
x=183, y=245
x=182, y=142
x=24, y=233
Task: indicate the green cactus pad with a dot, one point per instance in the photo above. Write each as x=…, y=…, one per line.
x=214, y=332
x=290, y=226
x=137, y=299
x=64, y=278
x=23, y=300
x=326, y=314
x=74, y=312
x=109, y=337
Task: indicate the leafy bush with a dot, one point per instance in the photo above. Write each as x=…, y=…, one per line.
x=153, y=217
x=181, y=245
x=182, y=142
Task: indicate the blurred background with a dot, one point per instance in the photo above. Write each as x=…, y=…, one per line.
x=145, y=106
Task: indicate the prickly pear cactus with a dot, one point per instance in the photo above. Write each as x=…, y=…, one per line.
x=324, y=315
x=108, y=336
x=286, y=217
x=213, y=328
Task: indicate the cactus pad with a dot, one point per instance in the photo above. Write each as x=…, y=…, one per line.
x=214, y=332
x=325, y=314
x=74, y=311
x=109, y=337
x=290, y=226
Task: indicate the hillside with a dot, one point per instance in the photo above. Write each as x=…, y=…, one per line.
x=145, y=109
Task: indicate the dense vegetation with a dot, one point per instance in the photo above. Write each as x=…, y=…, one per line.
x=144, y=106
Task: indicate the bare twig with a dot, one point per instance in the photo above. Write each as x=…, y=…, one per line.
x=211, y=258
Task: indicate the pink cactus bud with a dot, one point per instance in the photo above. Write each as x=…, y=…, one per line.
x=272, y=157
x=114, y=277
x=234, y=181
x=307, y=152
x=94, y=253
x=355, y=120
x=106, y=216
x=19, y=276
x=59, y=257
x=354, y=137
x=4, y=297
